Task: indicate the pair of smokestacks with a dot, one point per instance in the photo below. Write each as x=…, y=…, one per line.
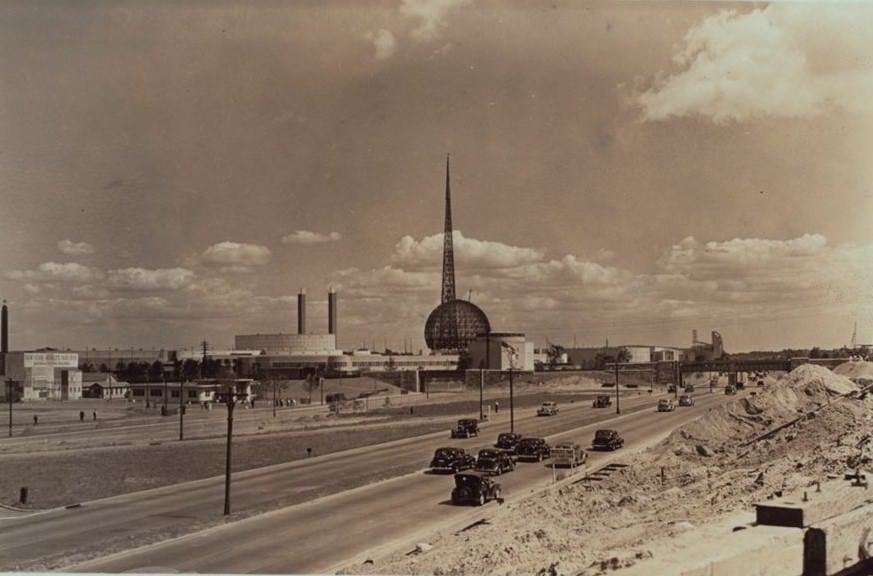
x=331, y=312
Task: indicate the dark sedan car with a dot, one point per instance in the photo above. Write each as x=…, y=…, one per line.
x=451, y=460
x=508, y=441
x=533, y=449
x=491, y=461
x=474, y=488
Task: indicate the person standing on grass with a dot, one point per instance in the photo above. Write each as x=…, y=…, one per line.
x=496, y=406
x=81, y=415
x=94, y=415
x=35, y=419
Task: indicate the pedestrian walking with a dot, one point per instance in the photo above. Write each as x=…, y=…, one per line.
x=496, y=406
x=94, y=415
x=35, y=419
x=81, y=415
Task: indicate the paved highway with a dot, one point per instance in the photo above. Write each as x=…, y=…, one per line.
x=314, y=536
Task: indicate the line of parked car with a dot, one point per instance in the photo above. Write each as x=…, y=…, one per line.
x=473, y=474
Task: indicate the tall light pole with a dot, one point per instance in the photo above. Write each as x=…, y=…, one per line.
x=9, y=383
x=617, y=396
x=513, y=354
x=481, y=386
x=230, y=398
x=181, y=408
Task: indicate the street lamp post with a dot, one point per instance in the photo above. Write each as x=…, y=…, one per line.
x=274, y=399
x=617, y=395
x=230, y=399
x=513, y=354
x=181, y=408
x=164, y=378
x=9, y=383
x=481, y=386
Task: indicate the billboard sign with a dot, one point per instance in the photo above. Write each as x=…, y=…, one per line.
x=51, y=360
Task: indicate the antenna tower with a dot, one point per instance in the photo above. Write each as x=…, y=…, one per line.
x=448, y=250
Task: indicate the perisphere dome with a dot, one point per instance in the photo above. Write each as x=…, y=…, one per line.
x=454, y=324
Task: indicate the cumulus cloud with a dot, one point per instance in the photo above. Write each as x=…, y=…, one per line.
x=430, y=15
x=469, y=252
x=75, y=248
x=307, y=237
x=784, y=60
x=236, y=256
x=68, y=272
x=384, y=42
x=141, y=279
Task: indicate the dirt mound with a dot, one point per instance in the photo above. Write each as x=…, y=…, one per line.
x=855, y=369
x=593, y=528
x=805, y=389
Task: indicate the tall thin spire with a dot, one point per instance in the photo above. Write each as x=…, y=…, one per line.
x=448, y=250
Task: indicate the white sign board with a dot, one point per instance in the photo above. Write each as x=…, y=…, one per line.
x=51, y=360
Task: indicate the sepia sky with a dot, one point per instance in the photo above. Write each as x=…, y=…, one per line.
x=176, y=171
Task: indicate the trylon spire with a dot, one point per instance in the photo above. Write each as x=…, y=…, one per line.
x=448, y=250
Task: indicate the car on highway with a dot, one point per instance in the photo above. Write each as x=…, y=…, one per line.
x=548, y=409
x=602, y=401
x=533, y=449
x=507, y=441
x=671, y=389
x=689, y=388
x=730, y=389
x=606, y=439
x=465, y=428
x=450, y=459
x=686, y=400
x=666, y=405
x=474, y=488
x=494, y=462
x=568, y=454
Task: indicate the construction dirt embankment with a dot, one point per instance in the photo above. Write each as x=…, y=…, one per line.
x=787, y=435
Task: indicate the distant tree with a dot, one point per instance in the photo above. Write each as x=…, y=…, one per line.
x=87, y=367
x=624, y=355
x=104, y=368
x=311, y=383
x=815, y=352
x=121, y=369
x=190, y=369
x=156, y=371
x=465, y=361
x=554, y=354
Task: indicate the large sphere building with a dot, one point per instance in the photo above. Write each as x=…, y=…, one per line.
x=454, y=324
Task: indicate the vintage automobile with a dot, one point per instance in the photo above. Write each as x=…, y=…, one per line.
x=548, y=409
x=730, y=389
x=451, y=460
x=494, y=462
x=686, y=400
x=602, y=401
x=474, y=488
x=607, y=440
x=568, y=454
x=533, y=449
x=465, y=428
x=689, y=388
x=666, y=405
x=508, y=442
x=671, y=389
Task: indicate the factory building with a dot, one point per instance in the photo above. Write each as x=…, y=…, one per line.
x=44, y=375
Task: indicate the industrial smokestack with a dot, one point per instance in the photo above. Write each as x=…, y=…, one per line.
x=694, y=337
x=301, y=311
x=331, y=311
x=4, y=330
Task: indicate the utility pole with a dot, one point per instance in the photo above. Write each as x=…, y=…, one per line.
x=274, y=399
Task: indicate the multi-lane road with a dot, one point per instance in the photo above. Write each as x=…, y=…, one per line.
x=314, y=536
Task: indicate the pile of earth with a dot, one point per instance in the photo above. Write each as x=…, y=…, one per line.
x=590, y=528
x=858, y=369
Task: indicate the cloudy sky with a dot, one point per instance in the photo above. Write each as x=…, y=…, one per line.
x=176, y=171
